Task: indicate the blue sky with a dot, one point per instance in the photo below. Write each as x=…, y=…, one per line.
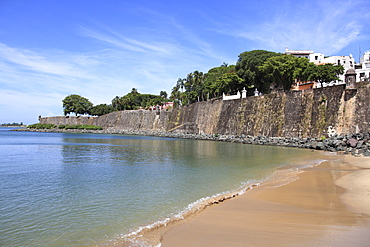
x=102, y=49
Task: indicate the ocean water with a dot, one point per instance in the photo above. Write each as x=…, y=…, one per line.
x=64, y=189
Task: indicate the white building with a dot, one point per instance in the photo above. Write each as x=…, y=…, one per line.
x=298, y=53
x=363, y=68
x=348, y=62
x=316, y=58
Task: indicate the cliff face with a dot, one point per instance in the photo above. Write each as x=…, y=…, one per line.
x=306, y=113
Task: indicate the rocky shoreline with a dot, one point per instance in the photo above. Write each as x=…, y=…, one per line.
x=353, y=143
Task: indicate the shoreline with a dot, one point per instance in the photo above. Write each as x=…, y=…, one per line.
x=357, y=144
x=327, y=205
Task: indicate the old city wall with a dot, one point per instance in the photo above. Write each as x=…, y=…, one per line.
x=306, y=113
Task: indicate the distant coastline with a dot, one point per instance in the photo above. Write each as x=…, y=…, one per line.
x=13, y=126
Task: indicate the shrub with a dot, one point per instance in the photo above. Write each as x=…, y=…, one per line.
x=83, y=127
x=42, y=126
x=72, y=126
x=63, y=126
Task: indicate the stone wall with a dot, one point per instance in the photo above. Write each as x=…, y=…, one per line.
x=306, y=113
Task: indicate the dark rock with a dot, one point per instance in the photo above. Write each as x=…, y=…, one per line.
x=359, y=144
x=320, y=146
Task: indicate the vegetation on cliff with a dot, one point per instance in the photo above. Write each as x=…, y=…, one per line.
x=53, y=126
x=135, y=100
x=132, y=101
x=259, y=69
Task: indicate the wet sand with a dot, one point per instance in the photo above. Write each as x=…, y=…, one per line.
x=326, y=205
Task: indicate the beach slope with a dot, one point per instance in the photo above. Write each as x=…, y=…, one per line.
x=326, y=205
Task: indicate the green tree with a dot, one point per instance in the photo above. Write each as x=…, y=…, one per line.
x=324, y=73
x=163, y=94
x=229, y=83
x=135, y=100
x=201, y=86
x=76, y=104
x=194, y=88
x=116, y=104
x=283, y=70
x=212, y=77
x=155, y=101
x=175, y=96
x=101, y=109
x=248, y=68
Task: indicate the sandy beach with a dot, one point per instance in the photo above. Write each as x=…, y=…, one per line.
x=326, y=205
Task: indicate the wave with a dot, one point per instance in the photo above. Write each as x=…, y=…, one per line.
x=150, y=235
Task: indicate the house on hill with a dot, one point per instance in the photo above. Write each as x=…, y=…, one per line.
x=362, y=69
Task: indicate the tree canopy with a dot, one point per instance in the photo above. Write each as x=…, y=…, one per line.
x=248, y=68
x=324, y=73
x=283, y=70
x=199, y=86
x=76, y=104
x=135, y=100
x=101, y=109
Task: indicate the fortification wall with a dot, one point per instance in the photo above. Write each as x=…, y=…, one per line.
x=306, y=113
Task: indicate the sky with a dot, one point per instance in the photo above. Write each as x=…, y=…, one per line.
x=103, y=49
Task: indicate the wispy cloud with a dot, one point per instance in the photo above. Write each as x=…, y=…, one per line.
x=33, y=61
x=118, y=40
x=110, y=39
x=324, y=26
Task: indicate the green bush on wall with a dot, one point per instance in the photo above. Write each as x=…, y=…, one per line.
x=75, y=126
x=80, y=127
x=90, y=127
x=63, y=126
x=42, y=126
x=83, y=127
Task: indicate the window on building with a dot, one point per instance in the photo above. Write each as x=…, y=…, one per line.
x=362, y=74
x=338, y=62
x=316, y=57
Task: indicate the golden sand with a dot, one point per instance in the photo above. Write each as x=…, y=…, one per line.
x=328, y=205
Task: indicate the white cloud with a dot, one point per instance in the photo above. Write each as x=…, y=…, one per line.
x=323, y=26
x=110, y=40
x=39, y=63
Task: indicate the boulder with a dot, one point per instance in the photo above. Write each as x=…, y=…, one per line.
x=352, y=142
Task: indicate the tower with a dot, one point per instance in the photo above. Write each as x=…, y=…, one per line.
x=350, y=79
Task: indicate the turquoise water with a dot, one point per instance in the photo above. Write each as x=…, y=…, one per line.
x=60, y=189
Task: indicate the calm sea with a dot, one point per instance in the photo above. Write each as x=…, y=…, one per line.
x=60, y=189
